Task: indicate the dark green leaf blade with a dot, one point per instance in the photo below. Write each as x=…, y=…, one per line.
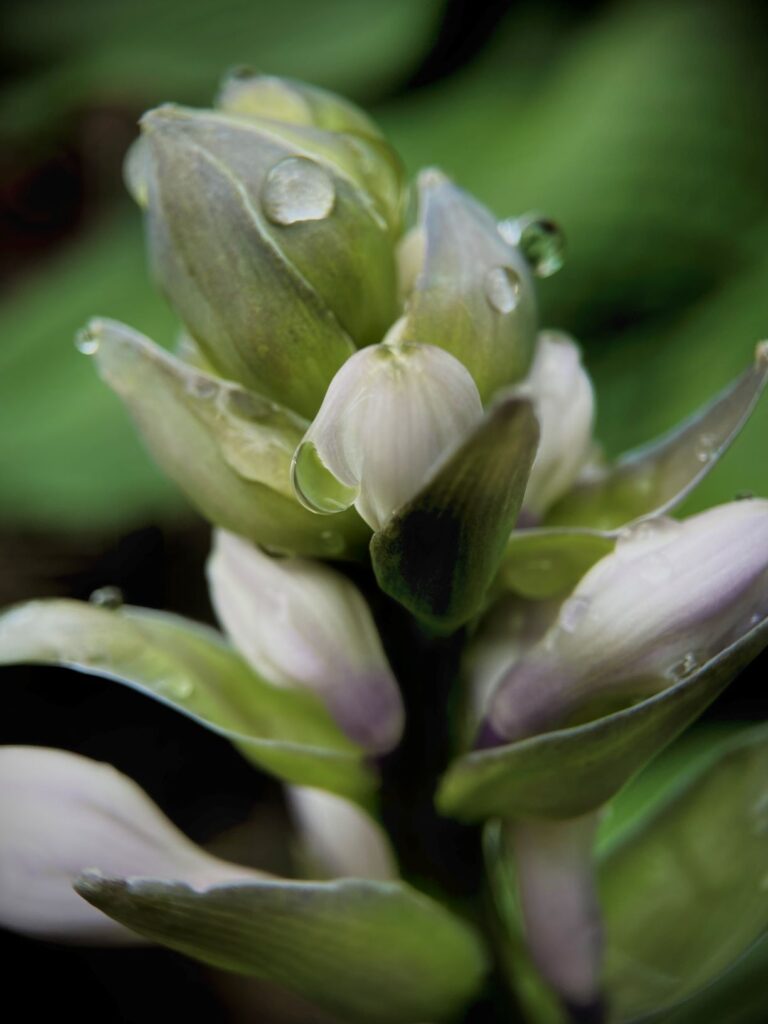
x=438, y=554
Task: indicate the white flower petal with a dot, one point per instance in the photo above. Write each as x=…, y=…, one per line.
x=339, y=838
x=391, y=414
x=564, y=403
x=62, y=814
x=666, y=600
x=300, y=623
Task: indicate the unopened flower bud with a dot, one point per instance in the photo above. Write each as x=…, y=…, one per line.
x=564, y=403
x=473, y=292
x=302, y=624
x=266, y=239
x=339, y=839
x=668, y=599
x=391, y=415
x=62, y=814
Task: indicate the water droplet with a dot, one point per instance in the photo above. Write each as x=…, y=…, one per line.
x=743, y=495
x=175, y=687
x=107, y=597
x=297, y=190
x=87, y=341
x=316, y=487
x=764, y=883
x=202, y=387
x=684, y=667
x=644, y=535
x=540, y=240
x=573, y=612
x=705, y=447
x=755, y=619
x=502, y=289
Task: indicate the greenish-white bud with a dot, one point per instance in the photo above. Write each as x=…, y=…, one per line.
x=302, y=624
x=563, y=401
x=466, y=288
x=391, y=416
x=267, y=240
x=671, y=596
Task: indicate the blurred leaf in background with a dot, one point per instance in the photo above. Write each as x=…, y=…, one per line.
x=639, y=127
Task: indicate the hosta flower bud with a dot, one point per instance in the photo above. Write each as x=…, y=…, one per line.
x=564, y=405
x=299, y=623
x=669, y=598
x=391, y=415
x=266, y=238
x=60, y=815
x=339, y=839
x=471, y=292
x=359, y=143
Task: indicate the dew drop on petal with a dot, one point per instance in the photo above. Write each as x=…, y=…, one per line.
x=107, y=597
x=315, y=486
x=684, y=667
x=502, y=289
x=175, y=687
x=573, y=613
x=87, y=341
x=333, y=542
x=297, y=190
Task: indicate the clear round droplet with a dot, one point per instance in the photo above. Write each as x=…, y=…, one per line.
x=202, y=387
x=107, y=597
x=87, y=341
x=297, y=190
x=705, y=447
x=502, y=289
x=684, y=667
x=316, y=487
x=540, y=239
x=573, y=613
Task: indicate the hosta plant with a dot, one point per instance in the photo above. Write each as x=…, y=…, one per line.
x=444, y=614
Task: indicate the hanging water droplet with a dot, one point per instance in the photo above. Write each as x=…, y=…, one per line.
x=573, y=613
x=705, y=447
x=684, y=667
x=502, y=289
x=316, y=487
x=297, y=190
x=540, y=240
x=107, y=597
x=202, y=387
x=87, y=341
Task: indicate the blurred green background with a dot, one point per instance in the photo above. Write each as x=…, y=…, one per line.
x=640, y=126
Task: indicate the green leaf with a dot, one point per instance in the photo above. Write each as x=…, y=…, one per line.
x=229, y=449
x=372, y=952
x=438, y=554
x=192, y=669
x=544, y=563
x=660, y=475
x=567, y=772
x=685, y=893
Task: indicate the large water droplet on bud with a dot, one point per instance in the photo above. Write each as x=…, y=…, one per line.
x=297, y=190
x=316, y=487
x=502, y=289
x=540, y=240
